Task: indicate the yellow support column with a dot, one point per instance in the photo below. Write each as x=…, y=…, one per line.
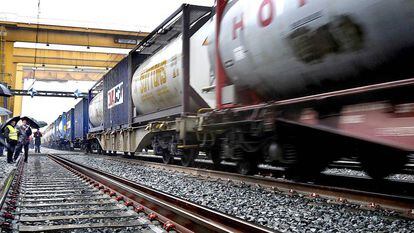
x=9, y=69
x=18, y=84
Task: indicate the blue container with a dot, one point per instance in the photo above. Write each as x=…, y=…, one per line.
x=69, y=132
x=56, y=133
x=117, y=96
x=81, y=119
x=62, y=126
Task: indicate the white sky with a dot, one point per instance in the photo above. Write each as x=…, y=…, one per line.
x=49, y=108
x=133, y=15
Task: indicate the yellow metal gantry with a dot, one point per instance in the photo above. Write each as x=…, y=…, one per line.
x=67, y=35
x=67, y=58
x=12, y=59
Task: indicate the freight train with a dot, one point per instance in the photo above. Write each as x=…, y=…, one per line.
x=69, y=130
x=296, y=83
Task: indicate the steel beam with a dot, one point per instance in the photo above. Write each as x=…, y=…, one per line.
x=58, y=75
x=62, y=57
x=221, y=77
x=67, y=35
x=19, y=93
x=185, y=100
x=169, y=112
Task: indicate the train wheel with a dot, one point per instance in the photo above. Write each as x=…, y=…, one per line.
x=214, y=155
x=167, y=158
x=216, y=161
x=247, y=167
x=188, y=157
x=379, y=164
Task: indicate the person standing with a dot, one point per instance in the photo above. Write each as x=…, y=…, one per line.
x=10, y=134
x=24, y=132
x=37, y=135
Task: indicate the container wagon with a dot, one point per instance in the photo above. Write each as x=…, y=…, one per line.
x=81, y=125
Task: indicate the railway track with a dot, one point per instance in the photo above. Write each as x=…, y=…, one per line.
x=53, y=194
x=366, y=193
x=207, y=163
x=363, y=183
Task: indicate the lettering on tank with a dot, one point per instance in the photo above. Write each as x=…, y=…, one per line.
x=267, y=11
x=302, y=3
x=237, y=25
x=153, y=77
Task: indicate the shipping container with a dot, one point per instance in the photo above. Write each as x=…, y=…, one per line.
x=69, y=129
x=47, y=138
x=56, y=128
x=62, y=126
x=116, y=96
x=81, y=118
x=162, y=63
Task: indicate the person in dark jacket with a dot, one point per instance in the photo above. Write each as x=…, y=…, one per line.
x=2, y=142
x=10, y=134
x=24, y=131
x=37, y=135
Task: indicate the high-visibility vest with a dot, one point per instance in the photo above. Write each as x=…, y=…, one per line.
x=12, y=133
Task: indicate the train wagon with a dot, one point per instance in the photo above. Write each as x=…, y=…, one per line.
x=72, y=128
x=47, y=139
x=81, y=124
x=121, y=109
x=297, y=85
x=68, y=130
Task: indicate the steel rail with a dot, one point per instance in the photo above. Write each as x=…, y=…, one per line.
x=6, y=187
x=400, y=203
x=8, y=182
x=187, y=214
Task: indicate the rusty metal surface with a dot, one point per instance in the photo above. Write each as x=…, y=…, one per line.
x=55, y=228
x=95, y=216
x=49, y=211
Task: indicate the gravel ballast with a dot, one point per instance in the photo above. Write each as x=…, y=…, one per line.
x=354, y=173
x=253, y=203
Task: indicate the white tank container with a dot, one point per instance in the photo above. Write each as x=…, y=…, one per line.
x=47, y=134
x=96, y=110
x=157, y=83
x=282, y=48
